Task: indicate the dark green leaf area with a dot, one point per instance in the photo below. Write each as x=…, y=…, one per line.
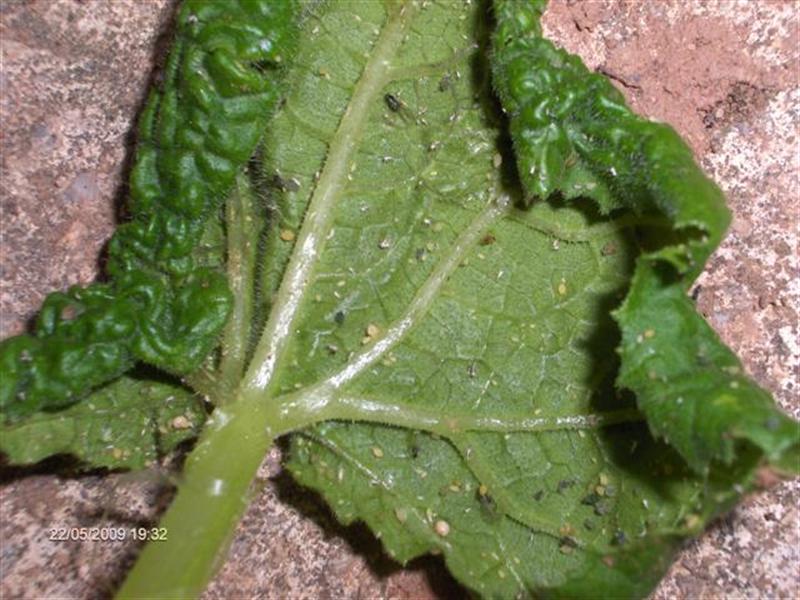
x=167, y=302
x=587, y=514
x=694, y=392
x=127, y=424
x=574, y=134
x=568, y=124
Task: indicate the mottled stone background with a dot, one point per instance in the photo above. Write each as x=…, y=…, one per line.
x=73, y=74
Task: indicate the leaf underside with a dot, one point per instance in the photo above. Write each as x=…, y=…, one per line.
x=515, y=324
x=483, y=325
x=127, y=424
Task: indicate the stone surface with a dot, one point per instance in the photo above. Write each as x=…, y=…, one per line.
x=725, y=73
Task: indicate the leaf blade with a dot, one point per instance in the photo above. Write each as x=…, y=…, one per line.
x=573, y=131
x=363, y=349
x=127, y=424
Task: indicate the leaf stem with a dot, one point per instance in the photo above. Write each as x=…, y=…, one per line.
x=213, y=493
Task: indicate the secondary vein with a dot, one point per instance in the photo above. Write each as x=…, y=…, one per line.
x=436, y=421
x=425, y=296
x=317, y=222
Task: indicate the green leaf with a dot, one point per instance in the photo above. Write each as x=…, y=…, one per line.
x=167, y=302
x=411, y=283
x=473, y=313
x=127, y=424
x=573, y=132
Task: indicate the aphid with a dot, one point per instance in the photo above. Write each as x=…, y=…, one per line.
x=488, y=504
x=338, y=317
x=591, y=499
x=619, y=538
x=565, y=484
x=413, y=445
x=568, y=544
x=393, y=102
x=601, y=508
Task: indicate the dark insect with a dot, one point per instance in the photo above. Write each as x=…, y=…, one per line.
x=568, y=543
x=488, y=505
x=338, y=317
x=285, y=185
x=591, y=500
x=565, y=484
x=393, y=102
x=413, y=444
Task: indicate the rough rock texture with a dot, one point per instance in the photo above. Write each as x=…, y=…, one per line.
x=73, y=77
x=726, y=74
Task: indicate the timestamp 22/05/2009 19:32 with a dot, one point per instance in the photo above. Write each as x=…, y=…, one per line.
x=107, y=534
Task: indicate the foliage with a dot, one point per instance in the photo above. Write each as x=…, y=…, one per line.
x=469, y=314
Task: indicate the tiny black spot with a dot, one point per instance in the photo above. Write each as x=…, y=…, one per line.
x=538, y=495
x=696, y=292
x=488, y=506
x=601, y=508
x=591, y=500
x=702, y=359
x=286, y=185
x=569, y=542
x=393, y=102
x=339, y=317
x=619, y=538
x=565, y=484
x=263, y=66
